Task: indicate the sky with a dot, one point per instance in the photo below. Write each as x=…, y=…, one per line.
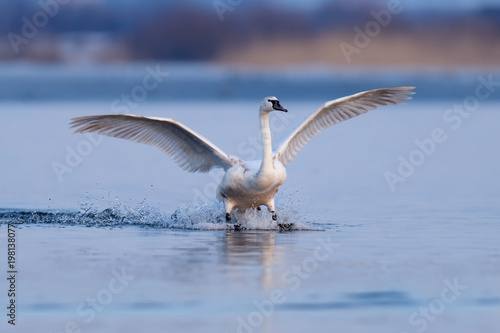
x=415, y=4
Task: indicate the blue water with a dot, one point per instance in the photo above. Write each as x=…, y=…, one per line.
x=187, y=81
x=98, y=249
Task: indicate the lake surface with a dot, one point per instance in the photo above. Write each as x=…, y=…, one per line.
x=98, y=250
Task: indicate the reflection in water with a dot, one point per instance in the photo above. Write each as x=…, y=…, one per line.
x=256, y=248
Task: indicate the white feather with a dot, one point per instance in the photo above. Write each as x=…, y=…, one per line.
x=189, y=150
x=334, y=112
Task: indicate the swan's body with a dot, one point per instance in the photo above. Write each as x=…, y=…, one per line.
x=249, y=184
x=243, y=188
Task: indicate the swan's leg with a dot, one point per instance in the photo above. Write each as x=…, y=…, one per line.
x=270, y=207
x=282, y=226
x=228, y=206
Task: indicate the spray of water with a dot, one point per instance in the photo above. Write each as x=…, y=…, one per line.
x=209, y=216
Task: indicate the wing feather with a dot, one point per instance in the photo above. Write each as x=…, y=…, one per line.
x=189, y=150
x=336, y=111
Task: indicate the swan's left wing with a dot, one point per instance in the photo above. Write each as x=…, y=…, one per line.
x=336, y=111
x=189, y=150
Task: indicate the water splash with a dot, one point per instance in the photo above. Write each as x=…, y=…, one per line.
x=210, y=216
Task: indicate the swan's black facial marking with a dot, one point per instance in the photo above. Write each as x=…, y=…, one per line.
x=277, y=105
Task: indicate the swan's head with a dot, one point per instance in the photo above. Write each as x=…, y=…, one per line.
x=271, y=103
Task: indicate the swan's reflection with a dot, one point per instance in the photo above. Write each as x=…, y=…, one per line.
x=256, y=249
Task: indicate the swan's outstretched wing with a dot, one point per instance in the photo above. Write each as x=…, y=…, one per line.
x=334, y=112
x=189, y=150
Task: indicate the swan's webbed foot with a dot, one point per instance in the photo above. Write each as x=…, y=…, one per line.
x=235, y=225
x=285, y=226
x=282, y=226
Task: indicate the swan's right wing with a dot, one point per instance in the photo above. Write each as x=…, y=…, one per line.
x=336, y=111
x=189, y=150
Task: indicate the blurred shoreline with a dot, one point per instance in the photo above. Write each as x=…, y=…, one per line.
x=344, y=33
x=413, y=51
x=104, y=50
x=329, y=49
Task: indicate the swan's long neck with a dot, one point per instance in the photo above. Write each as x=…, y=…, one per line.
x=267, y=160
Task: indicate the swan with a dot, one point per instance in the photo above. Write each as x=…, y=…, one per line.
x=245, y=184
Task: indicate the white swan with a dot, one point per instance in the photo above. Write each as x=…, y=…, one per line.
x=246, y=184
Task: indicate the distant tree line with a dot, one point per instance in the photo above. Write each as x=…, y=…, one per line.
x=188, y=30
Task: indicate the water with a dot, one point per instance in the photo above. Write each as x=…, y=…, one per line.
x=187, y=81
x=98, y=250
